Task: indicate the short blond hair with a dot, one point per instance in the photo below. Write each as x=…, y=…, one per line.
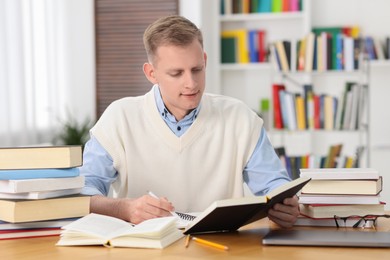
x=170, y=30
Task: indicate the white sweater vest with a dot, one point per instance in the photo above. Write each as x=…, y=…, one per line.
x=203, y=165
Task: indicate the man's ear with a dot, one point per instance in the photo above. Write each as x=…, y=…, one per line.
x=149, y=72
x=205, y=58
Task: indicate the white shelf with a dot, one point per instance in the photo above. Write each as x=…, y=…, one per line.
x=260, y=16
x=380, y=63
x=246, y=66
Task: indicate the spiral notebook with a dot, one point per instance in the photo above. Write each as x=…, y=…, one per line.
x=336, y=238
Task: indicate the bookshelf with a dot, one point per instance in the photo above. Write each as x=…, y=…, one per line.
x=251, y=82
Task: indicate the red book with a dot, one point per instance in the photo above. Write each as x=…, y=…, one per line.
x=262, y=49
x=286, y=5
x=278, y=120
x=29, y=233
x=346, y=31
x=317, y=107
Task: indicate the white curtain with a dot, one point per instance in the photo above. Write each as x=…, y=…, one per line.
x=30, y=71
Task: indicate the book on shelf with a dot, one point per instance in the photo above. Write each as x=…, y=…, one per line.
x=278, y=120
x=282, y=54
x=341, y=210
x=332, y=33
x=300, y=112
x=38, y=173
x=45, y=184
x=262, y=45
x=95, y=229
x=308, y=97
x=344, y=186
x=16, y=211
x=228, y=50
x=276, y=6
x=253, y=46
x=54, y=223
x=38, y=195
x=303, y=220
x=229, y=7
x=338, y=199
x=329, y=111
x=348, y=53
x=379, y=49
x=29, y=233
x=241, y=211
x=38, y=157
x=333, y=153
x=265, y=6
x=274, y=58
x=309, y=52
x=288, y=108
x=242, y=43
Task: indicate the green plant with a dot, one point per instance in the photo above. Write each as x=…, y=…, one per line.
x=74, y=133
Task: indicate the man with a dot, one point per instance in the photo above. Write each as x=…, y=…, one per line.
x=189, y=147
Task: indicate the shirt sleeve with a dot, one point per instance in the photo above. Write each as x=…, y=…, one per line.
x=97, y=169
x=264, y=170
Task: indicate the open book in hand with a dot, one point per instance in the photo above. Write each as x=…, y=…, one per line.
x=231, y=214
x=95, y=229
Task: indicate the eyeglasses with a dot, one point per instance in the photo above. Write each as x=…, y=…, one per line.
x=367, y=221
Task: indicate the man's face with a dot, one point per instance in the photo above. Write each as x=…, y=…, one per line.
x=180, y=73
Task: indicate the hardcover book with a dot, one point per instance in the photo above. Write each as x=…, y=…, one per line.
x=29, y=233
x=341, y=210
x=38, y=195
x=16, y=211
x=45, y=184
x=344, y=186
x=38, y=173
x=54, y=223
x=39, y=157
x=231, y=214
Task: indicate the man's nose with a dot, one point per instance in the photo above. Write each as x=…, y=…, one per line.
x=189, y=80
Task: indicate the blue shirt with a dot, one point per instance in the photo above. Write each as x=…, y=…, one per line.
x=263, y=172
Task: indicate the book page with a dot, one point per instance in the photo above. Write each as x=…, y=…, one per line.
x=100, y=226
x=108, y=227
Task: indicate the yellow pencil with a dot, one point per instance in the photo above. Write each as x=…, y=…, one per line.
x=209, y=243
x=187, y=243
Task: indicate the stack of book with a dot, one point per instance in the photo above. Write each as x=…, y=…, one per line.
x=40, y=190
x=341, y=192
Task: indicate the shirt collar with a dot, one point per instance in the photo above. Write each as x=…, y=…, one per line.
x=165, y=114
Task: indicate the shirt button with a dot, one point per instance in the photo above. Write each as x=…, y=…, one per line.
x=178, y=128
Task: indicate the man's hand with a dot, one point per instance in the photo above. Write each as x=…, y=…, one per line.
x=132, y=210
x=285, y=214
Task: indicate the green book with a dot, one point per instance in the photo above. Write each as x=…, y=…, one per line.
x=333, y=31
x=228, y=50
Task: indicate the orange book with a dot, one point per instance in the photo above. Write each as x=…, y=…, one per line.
x=302, y=55
x=300, y=112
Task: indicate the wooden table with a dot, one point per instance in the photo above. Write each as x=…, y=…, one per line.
x=244, y=244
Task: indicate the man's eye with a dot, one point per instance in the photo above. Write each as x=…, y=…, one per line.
x=176, y=74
